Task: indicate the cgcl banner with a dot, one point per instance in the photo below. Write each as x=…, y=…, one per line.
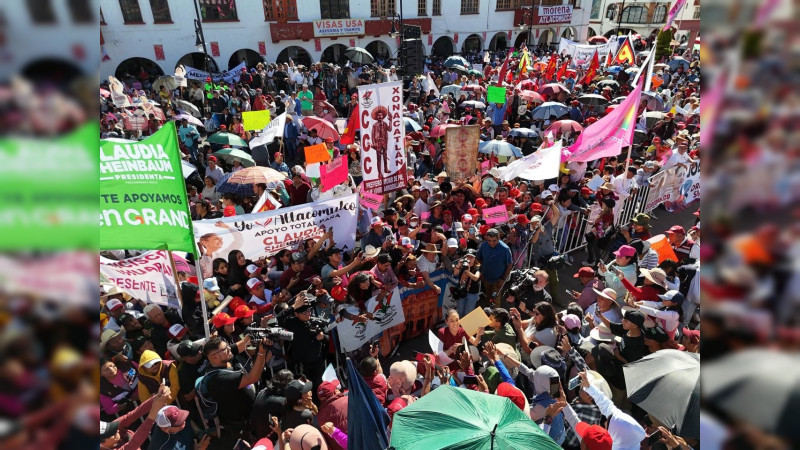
x=462, y=150
x=264, y=234
x=383, y=157
x=230, y=75
x=148, y=277
x=386, y=314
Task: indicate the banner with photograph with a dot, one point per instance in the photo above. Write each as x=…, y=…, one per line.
x=148, y=277
x=585, y=52
x=665, y=188
x=690, y=189
x=462, y=150
x=230, y=75
x=383, y=157
x=386, y=313
x=264, y=234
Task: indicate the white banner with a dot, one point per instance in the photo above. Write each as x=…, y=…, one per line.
x=230, y=75
x=386, y=314
x=338, y=27
x=266, y=233
x=555, y=14
x=383, y=157
x=665, y=188
x=147, y=277
x=690, y=189
x=273, y=130
x=541, y=165
x=585, y=52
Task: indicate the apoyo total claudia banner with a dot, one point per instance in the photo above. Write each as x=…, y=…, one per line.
x=462, y=150
x=143, y=204
x=383, y=158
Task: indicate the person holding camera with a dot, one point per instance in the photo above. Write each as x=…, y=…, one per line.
x=468, y=273
x=306, y=353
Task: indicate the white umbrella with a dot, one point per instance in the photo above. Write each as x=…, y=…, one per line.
x=188, y=107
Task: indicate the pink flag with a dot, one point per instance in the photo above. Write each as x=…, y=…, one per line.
x=609, y=135
x=710, y=110
x=370, y=200
x=676, y=8
x=497, y=214
x=333, y=173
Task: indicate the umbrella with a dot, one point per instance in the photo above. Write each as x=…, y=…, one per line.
x=758, y=386
x=187, y=168
x=527, y=84
x=610, y=108
x=473, y=104
x=451, y=89
x=499, y=148
x=439, y=130
x=531, y=96
x=453, y=418
x=597, y=40
x=367, y=420
x=666, y=384
x=320, y=106
x=523, y=132
x=229, y=155
x=256, y=174
x=224, y=186
x=455, y=61
x=323, y=127
x=610, y=83
x=180, y=263
x=474, y=88
x=188, y=107
x=565, y=126
x=651, y=117
x=618, y=100
x=592, y=99
x=167, y=81
x=553, y=88
x=639, y=136
x=226, y=139
x=411, y=125
x=358, y=55
x=547, y=109
x=614, y=69
x=654, y=100
x=459, y=68
x=678, y=61
x=660, y=66
x=632, y=70
x=191, y=119
x=475, y=72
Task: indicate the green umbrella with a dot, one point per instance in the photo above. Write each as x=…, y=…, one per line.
x=453, y=418
x=229, y=155
x=475, y=72
x=226, y=139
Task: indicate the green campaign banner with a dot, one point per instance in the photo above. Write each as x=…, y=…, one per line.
x=143, y=202
x=495, y=94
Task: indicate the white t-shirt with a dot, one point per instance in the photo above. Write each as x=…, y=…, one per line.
x=676, y=158
x=424, y=265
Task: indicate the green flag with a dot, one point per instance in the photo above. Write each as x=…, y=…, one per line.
x=143, y=202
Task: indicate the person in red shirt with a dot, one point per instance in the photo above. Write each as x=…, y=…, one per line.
x=453, y=334
x=298, y=191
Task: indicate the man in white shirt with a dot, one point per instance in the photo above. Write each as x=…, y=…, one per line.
x=213, y=170
x=577, y=170
x=421, y=205
x=624, y=184
x=680, y=156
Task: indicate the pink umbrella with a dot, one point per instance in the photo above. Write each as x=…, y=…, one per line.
x=526, y=84
x=320, y=106
x=553, y=88
x=565, y=126
x=439, y=130
x=323, y=127
x=597, y=40
x=531, y=96
x=474, y=88
x=180, y=264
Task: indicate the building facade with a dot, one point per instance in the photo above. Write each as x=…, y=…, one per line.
x=160, y=34
x=645, y=18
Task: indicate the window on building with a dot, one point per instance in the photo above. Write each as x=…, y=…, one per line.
x=422, y=7
x=382, y=8
x=41, y=11
x=551, y=2
x=696, y=14
x=576, y=4
x=469, y=6
x=81, y=11
x=280, y=10
x=634, y=14
x=505, y=5
x=660, y=14
x=160, y=11
x=335, y=9
x=437, y=7
x=596, y=6
x=130, y=11
x=218, y=10
x=611, y=12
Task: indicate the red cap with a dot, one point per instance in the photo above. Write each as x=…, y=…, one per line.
x=243, y=311
x=676, y=229
x=680, y=125
x=585, y=272
x=537, y=207
x=474, y=212
x=693, y=335
x=328, y=139
x=276, y=155
x=594, y=436
x=484, y=228
x=591, y=120
x=223, y=127
x=480, y=202
x=510, y=392
x=514, y=193
x=522, y=219
x=327, y=389
x=264, y=444
x=586, y=191
x=229, y=211
x=396, y=405
x=338, y=293
x=510, y=202
x=212, y=158
x=222, y=319
x=235, y=303
x=193, y=280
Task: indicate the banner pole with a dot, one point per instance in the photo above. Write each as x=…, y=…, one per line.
x=203, y=306
x=175, y=278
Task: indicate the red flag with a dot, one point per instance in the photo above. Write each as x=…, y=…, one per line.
x=591, y=72
x=562, y=71
x=503, y=70
x=550, y=70
x=608, y=60
x=349, y=135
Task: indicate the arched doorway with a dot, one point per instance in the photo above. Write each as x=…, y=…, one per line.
x=622, y=32
x=569, y=33
x=379, y=50
x=546, y=37
x=52, y=71
x=297, y=54
x=591, y=32
x=250, y=58
x=498, y=42
x=443, y=47
x=472, y=44
x=195, y=59
x=333, y=54
x=522, y=38
x=134, y=67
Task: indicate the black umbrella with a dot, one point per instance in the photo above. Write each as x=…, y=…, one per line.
x=610, y=83
x=455, y=61
x=592, y=99
x=666, y=384
x=358, y=55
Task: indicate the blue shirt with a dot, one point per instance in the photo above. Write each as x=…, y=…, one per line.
x=494, y=260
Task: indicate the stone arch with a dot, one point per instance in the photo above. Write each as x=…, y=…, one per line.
x=522, y=38
x=569, y=33
x=333, y=54
x=132, y=67
x=297, y=54
x=498, y=41
x=250, y=58
x=473, y=42
x=195, y=59
x=379, y=50
x=52, y=71
x=443, y=47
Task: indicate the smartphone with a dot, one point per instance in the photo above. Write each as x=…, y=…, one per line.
x=555, y=387
x=240, y=445
x=132, y=373
x=574, y=383
x=647, y=421
x=470, y=380
x=655, y=437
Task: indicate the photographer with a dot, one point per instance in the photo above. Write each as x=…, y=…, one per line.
x=542, y=241
x=306, y=353
x=468, y=273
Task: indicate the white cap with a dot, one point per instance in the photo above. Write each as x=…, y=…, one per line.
x=253, y=282
x=375, y=221
x=546, y=194
x=211, y=284
x=151, y=363
x=176, y=330
x=113, y=304
x=554, y=188
x=467, y=217
x=405, y=241
x=452, y=243
x=457, y=226
x=252, y=268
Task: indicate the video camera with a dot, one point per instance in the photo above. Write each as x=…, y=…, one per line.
x=272, y=333
x=522, y=281
x=318, y=324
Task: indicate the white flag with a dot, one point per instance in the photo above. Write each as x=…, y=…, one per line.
x=540, y=165
x=273, y=130
x=265, y=197
x=428, y=84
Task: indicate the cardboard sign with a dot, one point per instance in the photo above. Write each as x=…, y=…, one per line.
x=495, y=215
x=255, y=120
x=317, y=153
x=334, y=173
x=474, y=320
x=370, y=200
x=495, y=94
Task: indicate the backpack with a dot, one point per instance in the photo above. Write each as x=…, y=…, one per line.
x=208, y=407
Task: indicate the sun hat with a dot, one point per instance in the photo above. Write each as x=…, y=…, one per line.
x=601, y=333
x=607, y=293
x=430, y=248
x=656, y=275
x=370, y=251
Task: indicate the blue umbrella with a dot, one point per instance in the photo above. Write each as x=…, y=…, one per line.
x=411, y=125
x=366, y=418
x=614, y=69
x=547, y=109
x=451, y=89
x=499, y=148
x=524, y=132
x=223, y=187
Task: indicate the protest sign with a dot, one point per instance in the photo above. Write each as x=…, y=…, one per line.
x=497, y=214
x=585, y=52
x=495, y=94
x=273, y=130
x=312, y=170
x=444, y=300
x=317, y=153
x=540, y=165
x=370, y=200
x=424, y=215
x=143, y=202
x=148, y=277
x=230, y=75
x=690, y=189
x=266, y=233
x=462, y=150
x=255, y=120
x=383, y=157
x=474, y=320
x=334, y=173
x=386, y=313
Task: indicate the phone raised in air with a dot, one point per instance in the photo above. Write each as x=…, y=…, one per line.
x=555, y=387
x=655, y=437
x=470, y=380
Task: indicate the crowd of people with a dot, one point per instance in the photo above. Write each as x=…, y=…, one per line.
x=166, y=385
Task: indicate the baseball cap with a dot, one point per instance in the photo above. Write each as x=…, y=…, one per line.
x=242, y=311
x=252, y=283
x=693, y=335
x=546, y=194
x=636, y=317
x=211, y=284
x=375, y=222
x=585, y=272
x=676, y=229
x=512, y=393
x=480, y=202
x=673, y=296
x=212, y=158
x=252, y=268
x=298, y=257
x=188, y=348
x=177, y=331
x=264, y=444
x=626, y=250
x=108, y=429
x=113, y=304
x=171, y=416
x=537, y=207
x=396, y=405
x=522, y=219
x=510, y=202
x=229, y=211
x=327, y=388
x=452, y=243
x=466, y=218
x=149, y=364
x=594, y=437
x=586, y=191
x=571, y=321
x=296, y=388
x=405, y=241
x=222, y=319
x=328, y=139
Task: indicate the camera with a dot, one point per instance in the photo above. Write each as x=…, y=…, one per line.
x=273, y=333
x=318, y=324
x=522, y=281
x=556, y=262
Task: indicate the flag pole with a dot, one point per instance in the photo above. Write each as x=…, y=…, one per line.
x=203, y=306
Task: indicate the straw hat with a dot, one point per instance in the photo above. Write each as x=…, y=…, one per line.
x=371, y=252
x=656, y=275
x=602, y=333
x=430, y=248
x=607, y=185
x=608, y=293
x=109, y=334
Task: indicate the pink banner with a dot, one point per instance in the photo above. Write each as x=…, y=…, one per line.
x=333, y=173
x=370, y=200
x=609, y=135
x=485, y=166
x=424, y=216
x=676, y=8
x=495, y=215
